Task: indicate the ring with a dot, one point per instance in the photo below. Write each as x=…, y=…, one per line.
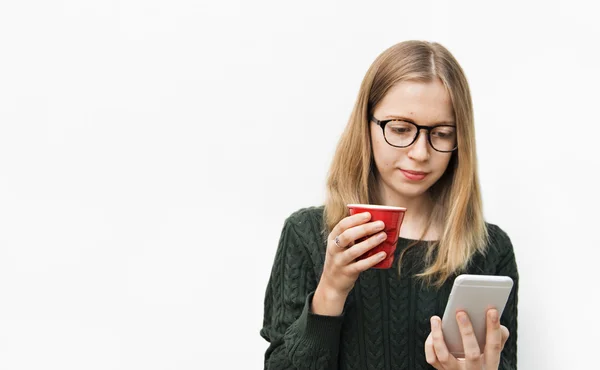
x=337, y=242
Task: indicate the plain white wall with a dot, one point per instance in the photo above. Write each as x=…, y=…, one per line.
x=151, y=150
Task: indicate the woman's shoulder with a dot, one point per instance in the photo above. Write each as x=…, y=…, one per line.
x=498, y=240
x=305, y=228
x=306, y=223
x=308, y=216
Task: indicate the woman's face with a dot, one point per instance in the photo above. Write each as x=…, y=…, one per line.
x=407, y=173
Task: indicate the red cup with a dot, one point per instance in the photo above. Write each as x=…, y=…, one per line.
x=392, y=217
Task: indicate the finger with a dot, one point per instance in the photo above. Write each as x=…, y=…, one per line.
x=345, y=238
x=493, y=340
x=351, y=235
x=430, y=356
x=444, y=358
x=348, y=238
x=348, y=222
x=364, y=230
x=361, y=248
x=365, y=264
x=505, y=334
x=470, y=345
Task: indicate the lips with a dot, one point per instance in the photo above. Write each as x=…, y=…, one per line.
x=415, y=172
x=414, y=175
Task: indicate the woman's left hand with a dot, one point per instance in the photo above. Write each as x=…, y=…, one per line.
x=437, y=353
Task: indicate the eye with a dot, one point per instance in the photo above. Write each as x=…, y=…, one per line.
x=444, y=132
x=400, y=128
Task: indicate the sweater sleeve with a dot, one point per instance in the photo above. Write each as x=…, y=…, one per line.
x=299, y=339
x=508, y=267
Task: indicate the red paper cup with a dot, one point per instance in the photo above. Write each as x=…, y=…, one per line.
x=392, y=218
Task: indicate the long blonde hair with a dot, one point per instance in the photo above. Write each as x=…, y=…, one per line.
x=456, y=195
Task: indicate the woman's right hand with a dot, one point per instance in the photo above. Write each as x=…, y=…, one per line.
x=341, y=268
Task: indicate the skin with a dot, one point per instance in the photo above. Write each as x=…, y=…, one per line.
x=437, y=355
x=425, y=104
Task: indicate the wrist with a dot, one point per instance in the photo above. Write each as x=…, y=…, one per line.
x=328, y=301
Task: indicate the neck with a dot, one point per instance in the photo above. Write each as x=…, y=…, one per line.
x=416, y=219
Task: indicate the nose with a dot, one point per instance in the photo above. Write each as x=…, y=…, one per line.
x=419, y=150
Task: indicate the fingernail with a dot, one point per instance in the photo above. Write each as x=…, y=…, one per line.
x=434, y=323
x=380, y=225
x=381, y=255
x=382, y=236
x=462, y=318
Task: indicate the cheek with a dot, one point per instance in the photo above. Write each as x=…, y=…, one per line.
x=384, y=157
x=442, y=164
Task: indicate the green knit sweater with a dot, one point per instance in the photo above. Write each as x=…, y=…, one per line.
x=386, y=317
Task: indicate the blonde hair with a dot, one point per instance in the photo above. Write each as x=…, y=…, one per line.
x=456, y=195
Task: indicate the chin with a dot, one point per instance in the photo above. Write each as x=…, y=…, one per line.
x=415, y=194
x=406, y=189
x=411, y=191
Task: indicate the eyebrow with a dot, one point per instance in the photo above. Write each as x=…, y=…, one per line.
x=401, y=118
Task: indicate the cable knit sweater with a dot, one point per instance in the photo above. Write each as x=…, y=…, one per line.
x=386, y=316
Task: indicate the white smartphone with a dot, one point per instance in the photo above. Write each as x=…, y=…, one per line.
x=474, y=294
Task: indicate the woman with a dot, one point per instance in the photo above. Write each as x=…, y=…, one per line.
x=410, y=142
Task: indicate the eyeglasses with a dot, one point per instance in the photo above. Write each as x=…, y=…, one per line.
x=402, y=134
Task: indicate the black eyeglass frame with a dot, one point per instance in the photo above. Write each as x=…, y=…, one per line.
x=419, y=128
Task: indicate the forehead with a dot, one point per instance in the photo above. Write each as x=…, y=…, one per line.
x=424, y=102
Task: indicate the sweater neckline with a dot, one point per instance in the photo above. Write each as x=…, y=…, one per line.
x=415, y=240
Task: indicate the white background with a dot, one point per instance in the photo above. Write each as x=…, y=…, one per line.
x=151, y=150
